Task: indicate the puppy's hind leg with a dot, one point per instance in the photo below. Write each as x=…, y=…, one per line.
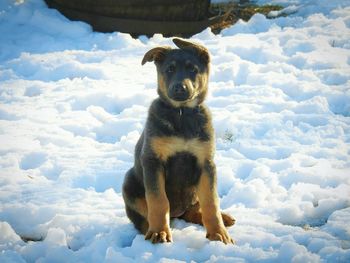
x=139, y=221
x=135, y=202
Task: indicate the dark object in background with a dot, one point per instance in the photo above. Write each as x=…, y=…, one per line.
x=240, y=9
x=141, y=17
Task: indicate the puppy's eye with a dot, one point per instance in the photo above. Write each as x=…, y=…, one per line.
x=192, y=68
x=170, y=69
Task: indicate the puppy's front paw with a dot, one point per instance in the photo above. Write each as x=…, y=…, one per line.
x=159, y=236
x=220, y=234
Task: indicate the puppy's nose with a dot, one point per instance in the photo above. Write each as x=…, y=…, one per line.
x=180, y=89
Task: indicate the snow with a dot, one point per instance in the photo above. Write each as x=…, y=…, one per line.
x=73, y=104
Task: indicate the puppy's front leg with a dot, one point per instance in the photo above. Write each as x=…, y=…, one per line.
x=158, y=216
x=209, y=203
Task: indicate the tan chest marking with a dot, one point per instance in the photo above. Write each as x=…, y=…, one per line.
x=165, y=147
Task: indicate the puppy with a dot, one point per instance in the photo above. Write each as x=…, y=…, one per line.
x=174, y=174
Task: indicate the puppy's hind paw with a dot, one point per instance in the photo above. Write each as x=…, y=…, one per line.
x=228, y=220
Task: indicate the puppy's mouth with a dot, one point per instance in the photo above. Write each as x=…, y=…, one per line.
x=180, y=92
x=180, y=97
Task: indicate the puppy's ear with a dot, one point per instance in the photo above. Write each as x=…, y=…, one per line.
x=156, y=54
x=202, y=51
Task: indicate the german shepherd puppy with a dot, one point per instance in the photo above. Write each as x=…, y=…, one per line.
x=174, y=175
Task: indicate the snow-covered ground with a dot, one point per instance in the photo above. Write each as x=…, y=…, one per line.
x=73, y=103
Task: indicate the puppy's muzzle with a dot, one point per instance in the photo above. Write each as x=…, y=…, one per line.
x=179, y=92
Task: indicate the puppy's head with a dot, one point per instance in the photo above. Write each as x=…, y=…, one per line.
x=182, y=72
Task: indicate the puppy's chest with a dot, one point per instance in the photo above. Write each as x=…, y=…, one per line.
x=184, y=123
x=168, y=146
x=188, y=126
x=182, y=133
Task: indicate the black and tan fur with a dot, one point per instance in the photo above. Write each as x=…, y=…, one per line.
x=174, y=175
